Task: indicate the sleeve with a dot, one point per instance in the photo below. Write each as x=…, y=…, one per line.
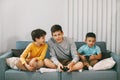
x=42, y=56
x=74, y=51
x=80, y=50
x=25, y=53
x=53, y=56
x=98, y=50
x=52, y=53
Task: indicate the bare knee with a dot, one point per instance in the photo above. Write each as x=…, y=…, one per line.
x=40, y=64
x=79, y=65
x=49, y=63
x=33, y=63
x=46, y=60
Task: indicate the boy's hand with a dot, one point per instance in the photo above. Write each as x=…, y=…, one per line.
x=70, y=65
x=83, y=58
x=33, y=62
x=59, y=67
x=92, y=57
x=30, y=68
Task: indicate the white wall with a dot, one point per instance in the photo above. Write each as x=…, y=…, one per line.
x=99, y=16
x=19, y=17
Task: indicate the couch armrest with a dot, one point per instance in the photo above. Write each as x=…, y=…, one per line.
x=3, y=65
x=117, y=66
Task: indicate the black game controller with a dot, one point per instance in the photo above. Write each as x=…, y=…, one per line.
x=65, y=68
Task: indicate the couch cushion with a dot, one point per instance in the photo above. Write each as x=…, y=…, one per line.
x=17, y=52
x=90, y=75
x=11, y=62
x=104, y=64
x=102, y=46
x=25, y=75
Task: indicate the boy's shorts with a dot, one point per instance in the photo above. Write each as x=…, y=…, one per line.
x=87, y=57
x=65, y=62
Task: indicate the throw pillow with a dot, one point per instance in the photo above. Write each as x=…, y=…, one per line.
x=11, y=62
x=17, y=52
x=104, y=64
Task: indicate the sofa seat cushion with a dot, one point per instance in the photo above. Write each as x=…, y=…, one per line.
x=25, y=75
x=90, y=75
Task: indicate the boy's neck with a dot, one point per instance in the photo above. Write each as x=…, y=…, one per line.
x=90, y=46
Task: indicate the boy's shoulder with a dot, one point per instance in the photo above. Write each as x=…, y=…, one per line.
x=84, y=46
x=68, y=39
x=96, y=46
x=30, y=44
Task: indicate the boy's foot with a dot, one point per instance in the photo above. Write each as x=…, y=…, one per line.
x=80, y=70
x=90, y=68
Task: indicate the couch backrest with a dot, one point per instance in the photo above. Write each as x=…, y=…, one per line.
x=22, y=44
x=102, y=45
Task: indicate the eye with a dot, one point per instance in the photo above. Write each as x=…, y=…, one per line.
x=58, y=34
x=89, y=40
x=54, y=35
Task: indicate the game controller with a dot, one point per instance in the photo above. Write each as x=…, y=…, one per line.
x=65, y=68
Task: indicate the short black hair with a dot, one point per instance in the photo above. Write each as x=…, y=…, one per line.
x=90, y=34
x=55, y=28
x=37, y=33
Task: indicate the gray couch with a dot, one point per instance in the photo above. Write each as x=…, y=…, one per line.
x=9, y=74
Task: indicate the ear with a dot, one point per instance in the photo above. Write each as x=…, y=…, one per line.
x=36, y=39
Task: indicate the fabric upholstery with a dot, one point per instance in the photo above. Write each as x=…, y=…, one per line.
x=90, y=75
x=17, y=52
x=25, y=75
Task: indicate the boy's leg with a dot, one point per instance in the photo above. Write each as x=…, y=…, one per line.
x=77, y=66
x=20, y=65
x=35, y=63
x=86, y=61
x=48, y=63
x=40, y=64
x=93, y=62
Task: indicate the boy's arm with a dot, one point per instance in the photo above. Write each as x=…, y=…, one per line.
x=82, y=57
x=98, y=56
x=42, y=56
x=74, y=52
x=24, y=54
x=51, y=44
x=53, y=57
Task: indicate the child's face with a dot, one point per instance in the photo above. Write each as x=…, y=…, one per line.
x=58, y=36
x=41, y=40
x=90, y=41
